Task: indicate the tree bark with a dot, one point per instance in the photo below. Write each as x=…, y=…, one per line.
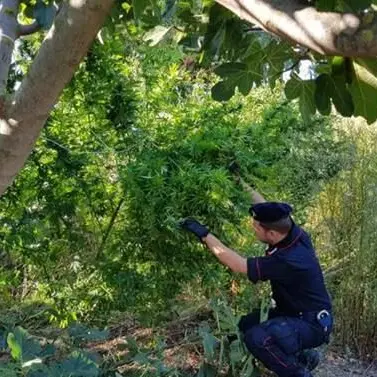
x=328, y=33
x=64, y=47
x=8, y=35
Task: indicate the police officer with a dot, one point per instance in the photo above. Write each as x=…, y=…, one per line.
x=302, y=318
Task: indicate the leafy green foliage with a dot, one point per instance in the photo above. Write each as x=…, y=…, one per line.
x=91, y=224
x=30, y=359
x=304, y=90
x=247, y=58
x=218, y=354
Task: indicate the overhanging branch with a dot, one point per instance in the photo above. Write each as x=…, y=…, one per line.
x=327, y=33
x=64, y=47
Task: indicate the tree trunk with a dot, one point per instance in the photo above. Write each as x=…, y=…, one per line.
x=68, y=41
x=328, y=33
x=8, y=35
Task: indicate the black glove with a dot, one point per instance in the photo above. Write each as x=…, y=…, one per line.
x=195, y=227
x=235, y=168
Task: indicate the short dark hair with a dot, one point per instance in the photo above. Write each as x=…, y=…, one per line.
x=282, y=226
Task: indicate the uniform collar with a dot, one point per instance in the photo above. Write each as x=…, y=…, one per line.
x=292, y=237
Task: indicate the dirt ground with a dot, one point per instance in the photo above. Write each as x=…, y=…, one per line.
x=333, y=365
x=183, y=355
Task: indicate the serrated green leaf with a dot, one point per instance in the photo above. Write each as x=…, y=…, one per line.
x=304, y=90
x=132, y=345
x=276, y=54
x=364, y=88
x=234, y=75
x=139, y=7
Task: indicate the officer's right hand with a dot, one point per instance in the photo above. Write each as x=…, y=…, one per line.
x=194, y=226
x=234, y=168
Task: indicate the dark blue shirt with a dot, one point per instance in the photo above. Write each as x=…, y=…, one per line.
x=294, y=272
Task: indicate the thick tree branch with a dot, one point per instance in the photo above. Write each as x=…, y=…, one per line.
x=28, y=29
x=327, y=33
x=8, y=35
x=75, y=27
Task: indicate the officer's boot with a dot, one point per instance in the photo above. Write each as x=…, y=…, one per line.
x=309, y=358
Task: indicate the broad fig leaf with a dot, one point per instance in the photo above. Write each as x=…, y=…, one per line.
x=304, y=90
x=234, y=75
x=293, y=88
x=322, y=94
x=248, y=368
x=22, y=346
x=78, y=365
x=40, y=371
x=81, y=332
x=307, y=101
x=275, y=55
x=206, y=370
x=325, y=5
x=357, y=5
x=340, y=95
x=364, y=88
x=209, y=344
x=8, y=370
x=226, y=318
x=236, y=352
x=222, y=92
x=230, y=69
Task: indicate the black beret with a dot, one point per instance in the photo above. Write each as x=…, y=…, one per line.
x=270, y=212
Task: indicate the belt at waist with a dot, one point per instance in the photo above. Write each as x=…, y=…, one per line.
x=323, y=318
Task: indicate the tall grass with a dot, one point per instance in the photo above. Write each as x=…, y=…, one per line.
x=343, y=220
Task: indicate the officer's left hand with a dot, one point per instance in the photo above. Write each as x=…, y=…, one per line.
x=194, y=227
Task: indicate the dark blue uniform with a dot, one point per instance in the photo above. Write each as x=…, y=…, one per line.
x=300, y=294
